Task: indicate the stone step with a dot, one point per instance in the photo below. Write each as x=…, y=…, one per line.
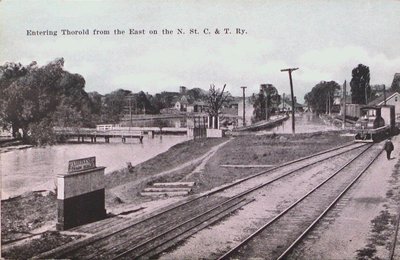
x=188, y=184
x=167, y=189
x=247, y=166
x=169, y=194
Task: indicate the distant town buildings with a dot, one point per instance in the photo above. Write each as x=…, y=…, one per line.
x=187, y=104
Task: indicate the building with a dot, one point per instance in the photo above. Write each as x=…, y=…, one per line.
x=181, y=104
x=286, y=106
x=392, y=98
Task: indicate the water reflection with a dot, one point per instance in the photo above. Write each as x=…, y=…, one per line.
x=304, y=123
x=36, y=168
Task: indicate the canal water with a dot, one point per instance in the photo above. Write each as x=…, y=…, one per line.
x=36, y=168
x=304, y=123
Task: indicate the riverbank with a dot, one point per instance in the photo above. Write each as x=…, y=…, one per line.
x=36, y=168
x=11, y=144
x=35, y=212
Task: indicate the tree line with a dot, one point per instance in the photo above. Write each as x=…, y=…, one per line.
x=361, y=91
x=34, y=99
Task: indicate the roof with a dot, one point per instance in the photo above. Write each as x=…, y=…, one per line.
x=181, y=99
x=370, y=107
x=380, y=99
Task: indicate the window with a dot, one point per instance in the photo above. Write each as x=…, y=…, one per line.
x=395, y=99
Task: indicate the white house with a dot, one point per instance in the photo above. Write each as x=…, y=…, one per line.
x=392, y=98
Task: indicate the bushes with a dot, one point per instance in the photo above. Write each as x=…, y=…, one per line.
x=41, y=133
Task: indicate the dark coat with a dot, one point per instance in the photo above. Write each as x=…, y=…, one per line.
x=388, y=146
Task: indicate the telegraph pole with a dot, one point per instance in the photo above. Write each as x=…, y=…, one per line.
x=244, y=105
x=291, y=90
x=130, y=111
x=384, y=94
x=344, y=105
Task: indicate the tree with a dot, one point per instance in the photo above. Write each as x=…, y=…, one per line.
x=309, y=99
x=95, y=102
x=396, y=83
x=360, y=89
x=144, y=104
x=196, y=94
x=259, y=104
x=114, y=104
x=33, y=97
x=321, y=95
x=216, y=99
x=164, y=100
x=272, y=99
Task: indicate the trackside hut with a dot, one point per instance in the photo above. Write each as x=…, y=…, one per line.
x=392, y=98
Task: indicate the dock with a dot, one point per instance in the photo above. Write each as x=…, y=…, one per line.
x=93, y=134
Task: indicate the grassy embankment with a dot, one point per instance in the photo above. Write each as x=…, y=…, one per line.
x=23, y=214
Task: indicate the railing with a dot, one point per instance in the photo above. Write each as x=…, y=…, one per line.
x=91, y=131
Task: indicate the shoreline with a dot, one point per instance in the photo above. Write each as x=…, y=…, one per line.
x=22, y=168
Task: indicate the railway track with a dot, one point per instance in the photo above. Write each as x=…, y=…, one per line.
x=280, y=235
x=140, y=238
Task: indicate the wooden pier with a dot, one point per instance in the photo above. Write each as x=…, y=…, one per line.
x=94, y=134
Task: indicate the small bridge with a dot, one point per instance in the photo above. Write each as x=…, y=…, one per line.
x=93, y=134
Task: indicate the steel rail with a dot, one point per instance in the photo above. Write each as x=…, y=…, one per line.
x=246, y=192
x=179, y=225
x=346, y=189
x=282, y=213
x=75, y=245
x=175, y=228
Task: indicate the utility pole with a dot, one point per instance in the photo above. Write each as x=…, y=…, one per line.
x=344, y=105
x=384, y=94
x=244, y=105
x=283, y=104
x=291, y=91
x=130, y=111
x=326, y=105
x=329, y=103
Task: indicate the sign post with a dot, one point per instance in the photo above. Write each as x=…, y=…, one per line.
x=80, y=194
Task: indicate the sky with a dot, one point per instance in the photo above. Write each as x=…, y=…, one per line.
x=324, y=39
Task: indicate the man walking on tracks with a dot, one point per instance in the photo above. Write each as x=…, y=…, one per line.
x=388, y=148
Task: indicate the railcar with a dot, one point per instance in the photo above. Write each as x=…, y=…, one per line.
x=375, y=123
x=353, y=111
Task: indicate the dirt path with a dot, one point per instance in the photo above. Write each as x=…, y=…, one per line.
x=128, y=191
x=204, y=160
